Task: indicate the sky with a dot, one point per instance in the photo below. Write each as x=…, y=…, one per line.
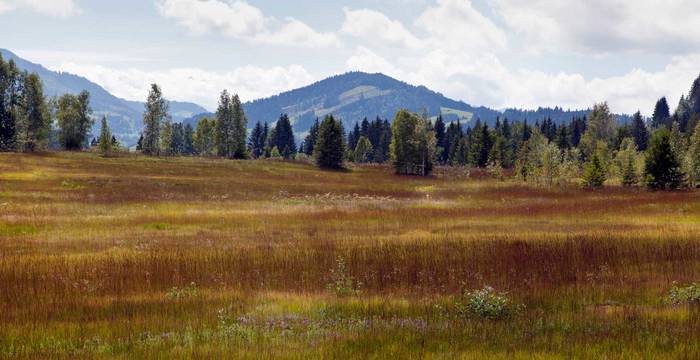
x=495, y=53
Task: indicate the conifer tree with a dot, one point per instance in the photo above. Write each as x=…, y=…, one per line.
x=329, y=150
x=661, y=167
x=662, y=114
x=639, y=132
x=156, y=112
x=311, y=138
x=188, y=146
x=693, y=158
x=594, y=173
x=35, y=119
x=10, y=88
x=105, y=141
x=257, y=141
x=225, y=126
x=240, y=123
x=283, y=137
x=625, y=159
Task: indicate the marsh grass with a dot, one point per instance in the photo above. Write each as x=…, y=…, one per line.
x=98, y=257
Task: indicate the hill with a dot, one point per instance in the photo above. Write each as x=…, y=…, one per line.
x=356, y=95
x=125, y=117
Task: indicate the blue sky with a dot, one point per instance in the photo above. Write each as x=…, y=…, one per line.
x=498, y=53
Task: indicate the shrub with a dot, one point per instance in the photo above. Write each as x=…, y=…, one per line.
x=689, y=295
x=341, y=283
x=488, y=304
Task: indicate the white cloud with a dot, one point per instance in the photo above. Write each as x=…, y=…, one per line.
x=482, y=79
x=376, y=27
x=457, y=25
x=241, y=20
x=193, y=84
x=604, y=26
x=56, y=8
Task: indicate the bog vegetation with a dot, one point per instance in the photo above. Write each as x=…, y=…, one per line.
x=206, y=244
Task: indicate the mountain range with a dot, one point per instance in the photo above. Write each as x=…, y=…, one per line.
x=351, y=97
x=125, y=117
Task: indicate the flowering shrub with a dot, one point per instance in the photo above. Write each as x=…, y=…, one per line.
x=689, y=295
x=488, y=304
x=341, y=283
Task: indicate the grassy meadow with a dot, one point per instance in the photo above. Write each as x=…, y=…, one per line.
x=135, y=257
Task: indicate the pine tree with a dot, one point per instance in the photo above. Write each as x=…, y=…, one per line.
x=662, y=114
x=283, y=137
x=594, y=174
x=440, y=139
x=257, y=141
x=625, y=160
x=640, y=132
x=311, y=138
x=33, y=132
x=10, y=87
x=693, y=158
x=363, y=150
x=156, y=112
x=105, y=142
x=329, y=150
x=661, y=168
x=188, y=147
x=354, y=136
x=225, y=125
x=240, y=123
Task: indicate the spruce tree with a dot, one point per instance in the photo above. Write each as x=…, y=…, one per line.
x=661, y=168
x=105, y=141
x=9, y=97
x=240, y=123
x=225, y=126
x=188, y=148
x=311, y=138
x=283, y=138
x=625, y=160
x=156, y=112
x=257, y=141
x=594, y=173
x=639, y=131
x=329, y=149
x=662, y=114
x=36, y=117
x=693, y=158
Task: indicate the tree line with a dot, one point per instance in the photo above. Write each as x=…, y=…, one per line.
x=662, y=152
